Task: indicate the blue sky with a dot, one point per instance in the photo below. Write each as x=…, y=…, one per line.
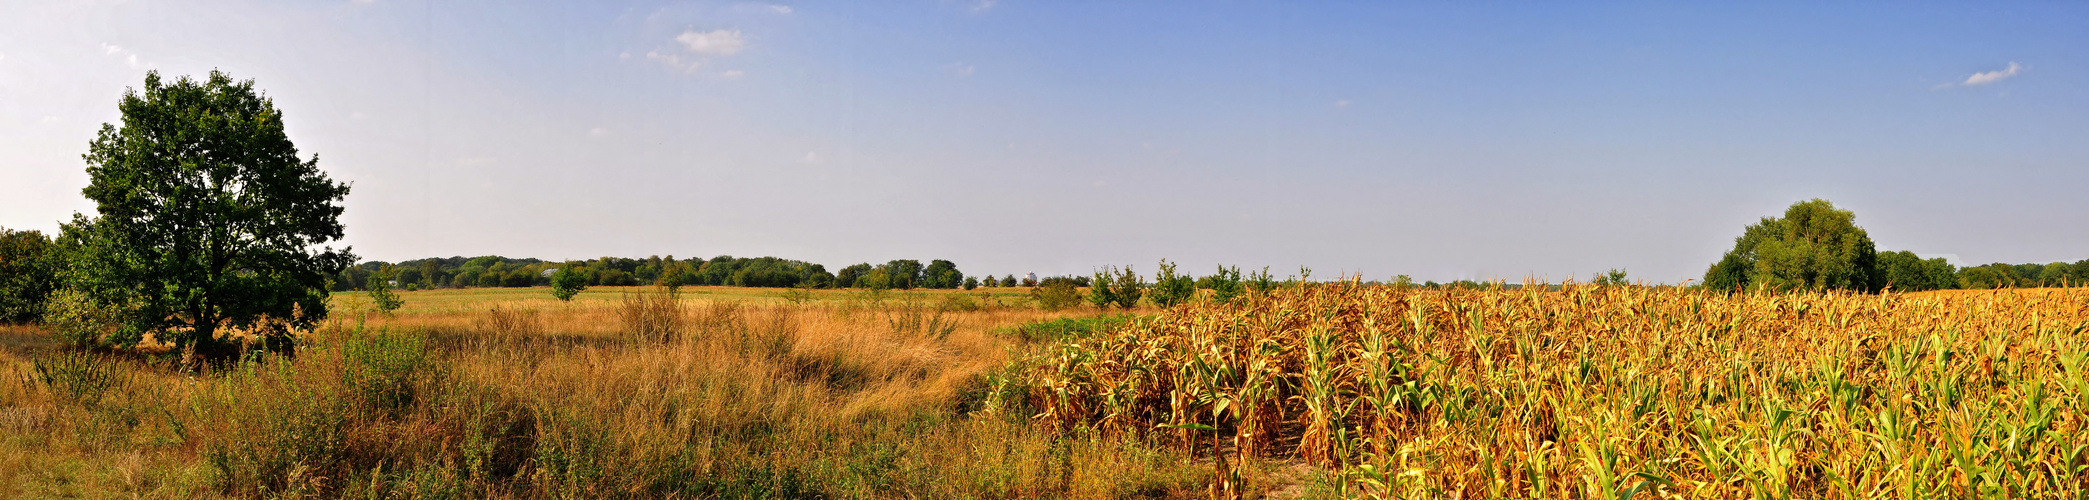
x=1440, y=140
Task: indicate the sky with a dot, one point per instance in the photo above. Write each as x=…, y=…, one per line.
x=1440, y=140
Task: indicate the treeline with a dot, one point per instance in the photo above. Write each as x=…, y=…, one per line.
x=1815, y=246
x=1904, y=271
x=769, y=272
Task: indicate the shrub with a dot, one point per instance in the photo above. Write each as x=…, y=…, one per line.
x=1056, y=295
x=1262, y=281
x=567, y=282
x=381, y=294
x=1225, y=285
x=1170, y=288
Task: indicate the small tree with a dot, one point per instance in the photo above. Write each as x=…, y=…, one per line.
x=207, y=219
x=971, y=282
x=671, y=279
x=1615, y=277
x=1101, y=293
x=381, y=294
x=1226, y=284
x=1171, y=288
x=567, y=282
x=1116, y=287
x=1262, y=281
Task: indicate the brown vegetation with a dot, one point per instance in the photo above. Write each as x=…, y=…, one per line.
x=1604, y=392
x=528, y=398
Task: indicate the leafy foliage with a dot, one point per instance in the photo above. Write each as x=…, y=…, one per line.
x=207, y=217
x=1905, y=272
x=1116, y=287
x=382, y=296
x=1056, y=293
x=1171, y=288
x=1225, y=285
x=29, y=264
x=567, y=282
x=1815, y=246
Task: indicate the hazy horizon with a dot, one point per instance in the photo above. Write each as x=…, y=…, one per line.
x=1441, y=141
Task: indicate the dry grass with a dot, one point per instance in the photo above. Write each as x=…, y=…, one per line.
x=1606, y=392
x=508, y=395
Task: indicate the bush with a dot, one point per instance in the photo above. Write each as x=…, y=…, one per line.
x=1056, y=295
x=1170, y=288
x=567, y=282
x=381, y=293
x=1224, y=285
x=79, y=320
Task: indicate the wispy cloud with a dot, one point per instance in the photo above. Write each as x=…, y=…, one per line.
x=962, y=70
x=1342, y=103
x=1993, y=76
x=126, y=55
x=781, y=9
x=1987, y=77
x=983, y=5
x=598, y=132
x=673, y=61
x=715, y=42
x=733, y=73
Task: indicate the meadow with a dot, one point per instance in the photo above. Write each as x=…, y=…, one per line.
x=507, y=393
x=1304, y=391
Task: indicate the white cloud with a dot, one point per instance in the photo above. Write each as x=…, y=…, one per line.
x=476, y=161
x=1993, y=76
x=960, y=69
x=812, y=157
x=716, y=42
x=1342, y=103
x=673, y=61
x=781, y=9
x=128, y=57
x=733, y=73
x=598, y=132
x=983, y=5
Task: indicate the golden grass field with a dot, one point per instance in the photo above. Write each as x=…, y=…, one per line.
x=1323, y=390
x=508, y=393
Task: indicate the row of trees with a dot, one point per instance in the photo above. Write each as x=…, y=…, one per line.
x=724, y=270
x=1815, y=246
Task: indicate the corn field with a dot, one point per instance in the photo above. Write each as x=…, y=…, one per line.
x=1603, y=392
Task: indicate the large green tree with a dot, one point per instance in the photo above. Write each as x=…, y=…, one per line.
x=207, y=219
x=1814, y=246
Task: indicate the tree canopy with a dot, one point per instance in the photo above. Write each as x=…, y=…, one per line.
x=207, y=218
x=1814, y=246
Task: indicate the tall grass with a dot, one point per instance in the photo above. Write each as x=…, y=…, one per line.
x=541, y=399
x=1604, y=392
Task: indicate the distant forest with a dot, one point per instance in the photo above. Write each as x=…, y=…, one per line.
x=724, y=270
